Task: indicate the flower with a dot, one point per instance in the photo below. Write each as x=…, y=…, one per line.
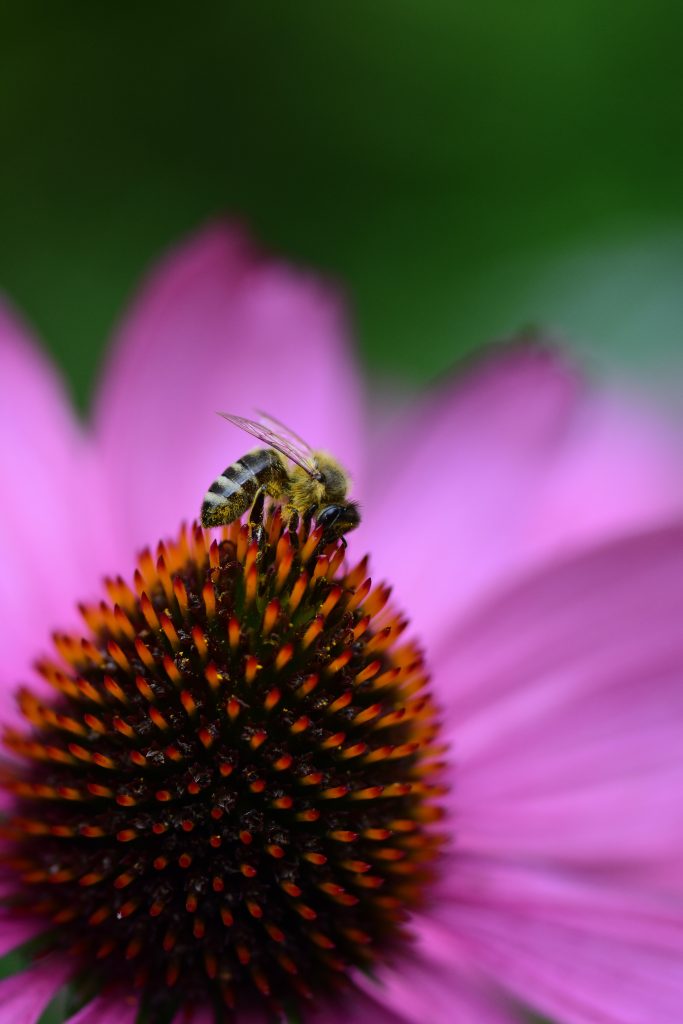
x=530, y=524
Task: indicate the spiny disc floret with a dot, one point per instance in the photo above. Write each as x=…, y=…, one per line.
x=233, y=791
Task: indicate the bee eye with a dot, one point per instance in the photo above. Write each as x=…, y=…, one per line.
x=339, y=519
x=328, y=515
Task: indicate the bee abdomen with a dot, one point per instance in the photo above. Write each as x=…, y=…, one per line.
x=232, y=493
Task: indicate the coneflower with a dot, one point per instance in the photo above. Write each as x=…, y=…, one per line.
x=234, y=791
x=231, y=795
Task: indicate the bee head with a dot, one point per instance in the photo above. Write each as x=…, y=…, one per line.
x=337, y=520
x=333, y=481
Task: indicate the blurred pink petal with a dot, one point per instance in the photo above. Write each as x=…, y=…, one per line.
x=218, y=327
x=436, y=981
x=52, y=546
x=14, y=933
x=577, y=951
x=520, y=460
x=23, y=997
x=349, y=1005
x=106, y=1011
x=355, y=1006
x=561, y=749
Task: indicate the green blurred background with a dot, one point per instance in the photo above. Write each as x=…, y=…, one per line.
x=465, y=170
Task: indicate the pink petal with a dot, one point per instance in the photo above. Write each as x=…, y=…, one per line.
x=103, y=1010
x=49, y=551
x=581, y=952
x=565, y=707
x=432, y=981
x=23, y=997
x=515, y=461
x=217, y=327
x=346, y=1006
x=353, y=1005
x=15, y=933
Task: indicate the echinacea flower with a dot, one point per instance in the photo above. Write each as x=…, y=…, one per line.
x=244, y=789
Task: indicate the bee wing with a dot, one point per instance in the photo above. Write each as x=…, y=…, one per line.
x=277, y=441
x=284, y=429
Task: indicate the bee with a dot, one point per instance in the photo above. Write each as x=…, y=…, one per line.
x=308, y=482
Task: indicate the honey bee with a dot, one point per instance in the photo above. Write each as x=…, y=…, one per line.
x=308, y=482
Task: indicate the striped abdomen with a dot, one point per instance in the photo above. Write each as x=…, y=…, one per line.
x=232, y=493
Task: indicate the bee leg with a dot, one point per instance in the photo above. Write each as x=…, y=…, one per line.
x=306, y=522
x=330, y=538
x=256, y=510
x=256, y=529
x=292, y=520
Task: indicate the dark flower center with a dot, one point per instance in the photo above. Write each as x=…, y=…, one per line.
x=232, y=795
